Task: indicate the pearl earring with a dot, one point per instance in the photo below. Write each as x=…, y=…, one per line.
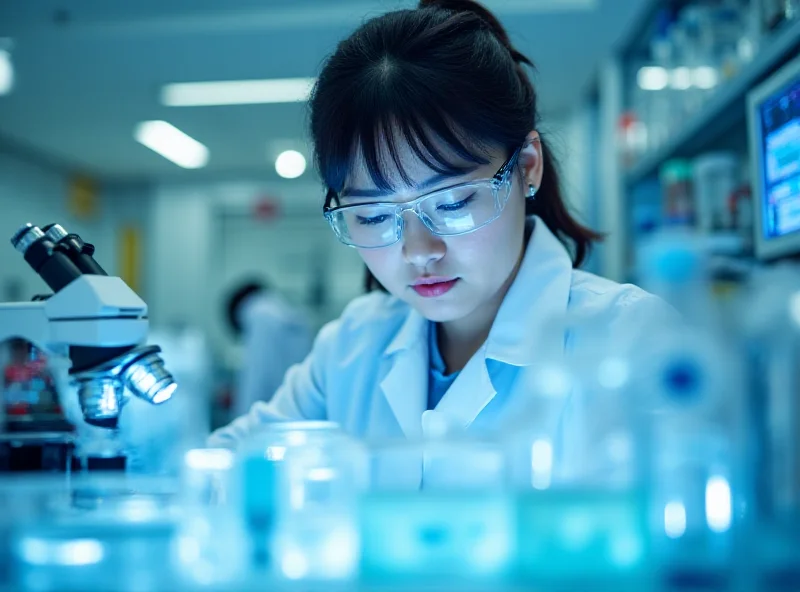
x=531, y=192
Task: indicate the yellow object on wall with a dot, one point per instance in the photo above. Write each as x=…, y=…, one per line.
x=130, y=257
x=82, y=197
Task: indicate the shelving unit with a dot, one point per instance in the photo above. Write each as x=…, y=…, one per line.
x=725, y=109
x=720, y=123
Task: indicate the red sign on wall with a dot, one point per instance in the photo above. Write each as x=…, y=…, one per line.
x=267, y=208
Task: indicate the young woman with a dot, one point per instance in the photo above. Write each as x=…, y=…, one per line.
x=424, y=123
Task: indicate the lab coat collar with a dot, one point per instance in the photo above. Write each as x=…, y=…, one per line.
x=413, y=334
x=406, y=383
x=528, y=318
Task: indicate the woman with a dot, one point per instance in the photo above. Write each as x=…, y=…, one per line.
x=424, y=123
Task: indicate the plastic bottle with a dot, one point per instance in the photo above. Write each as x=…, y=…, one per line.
x=676, y=182
x=714, y=180
x=690, y=386
x=772, y=327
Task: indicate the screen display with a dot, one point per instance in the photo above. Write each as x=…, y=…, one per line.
x=780, y=130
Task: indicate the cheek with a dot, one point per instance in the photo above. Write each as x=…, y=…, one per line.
x=381, y=262
x=494, y=247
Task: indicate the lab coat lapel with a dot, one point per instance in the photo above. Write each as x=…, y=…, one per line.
x=471, y=391
x=405, y=385
x=527, y=324
x=530, y=320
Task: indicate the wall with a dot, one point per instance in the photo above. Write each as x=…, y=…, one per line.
x=573, y=139
x=203, y=239
x=37, y=193
x=31, y=193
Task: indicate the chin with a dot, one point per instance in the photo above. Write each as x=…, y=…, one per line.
x=440, y=312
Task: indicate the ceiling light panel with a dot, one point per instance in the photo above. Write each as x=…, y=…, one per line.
x=237, y=92
x=171, y=143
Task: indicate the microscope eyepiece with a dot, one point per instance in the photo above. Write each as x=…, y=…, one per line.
x=46, y=258
x=80, y=252
x=55, y=232
x=25, y=237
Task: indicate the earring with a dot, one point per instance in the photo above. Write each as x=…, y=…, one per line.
x=531, y=192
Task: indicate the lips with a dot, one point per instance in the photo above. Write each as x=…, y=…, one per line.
x=431, y=287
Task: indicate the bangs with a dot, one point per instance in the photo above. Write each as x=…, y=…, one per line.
x=387, y=118
x=431, y=137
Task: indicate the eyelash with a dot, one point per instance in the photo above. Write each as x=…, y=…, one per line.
x=375, y=220
x=457, y=205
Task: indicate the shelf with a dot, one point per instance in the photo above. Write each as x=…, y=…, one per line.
x=720, y=113
x=725, y=243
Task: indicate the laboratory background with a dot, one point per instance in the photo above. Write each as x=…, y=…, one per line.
x=161, y=220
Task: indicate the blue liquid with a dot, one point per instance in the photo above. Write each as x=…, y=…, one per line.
x=585, y=538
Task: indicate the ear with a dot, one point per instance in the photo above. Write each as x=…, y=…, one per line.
x=531, y=161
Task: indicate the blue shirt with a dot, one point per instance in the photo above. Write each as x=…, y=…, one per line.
x=502, y=375
x=438, y=381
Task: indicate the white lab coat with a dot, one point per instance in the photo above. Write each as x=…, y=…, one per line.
x=368, y=370
x=276, y=337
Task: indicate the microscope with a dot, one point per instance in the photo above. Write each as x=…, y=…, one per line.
x=94, y=324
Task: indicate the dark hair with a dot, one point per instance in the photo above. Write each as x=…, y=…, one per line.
x=446, y=71
x=235, y=300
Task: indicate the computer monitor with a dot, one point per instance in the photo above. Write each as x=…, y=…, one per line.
x=774, y=131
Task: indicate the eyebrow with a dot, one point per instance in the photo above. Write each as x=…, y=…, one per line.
x=434, y=180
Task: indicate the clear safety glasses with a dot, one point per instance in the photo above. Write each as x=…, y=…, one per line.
x=451, y=211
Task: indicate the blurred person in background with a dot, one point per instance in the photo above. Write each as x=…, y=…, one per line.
x=425, y=125
x=274, y=336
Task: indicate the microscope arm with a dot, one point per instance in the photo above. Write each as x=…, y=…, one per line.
x=93, y=311
x=27, y=320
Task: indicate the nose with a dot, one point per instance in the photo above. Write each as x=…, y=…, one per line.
x=420, y=246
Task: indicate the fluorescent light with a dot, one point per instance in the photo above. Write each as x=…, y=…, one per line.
x=290, y=164
x=652, y=78
x=705, y=77
x=6, y=72
x=172, y=144
x=237, y=92
x=680, y=78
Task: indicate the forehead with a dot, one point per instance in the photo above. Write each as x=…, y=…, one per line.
x=405, y=160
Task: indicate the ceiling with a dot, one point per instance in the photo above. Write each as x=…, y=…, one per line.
x=88, y=70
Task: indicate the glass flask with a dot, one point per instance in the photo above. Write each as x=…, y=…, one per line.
x=437, y=513
x=301, y=486
x=211, y=547
x=575, y=452
x=90, y=533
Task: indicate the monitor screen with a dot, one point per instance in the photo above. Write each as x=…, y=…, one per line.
x=774, y=116
x=780, y=124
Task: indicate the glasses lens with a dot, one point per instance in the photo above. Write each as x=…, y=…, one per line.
x=366, y=226
x=465, y=208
